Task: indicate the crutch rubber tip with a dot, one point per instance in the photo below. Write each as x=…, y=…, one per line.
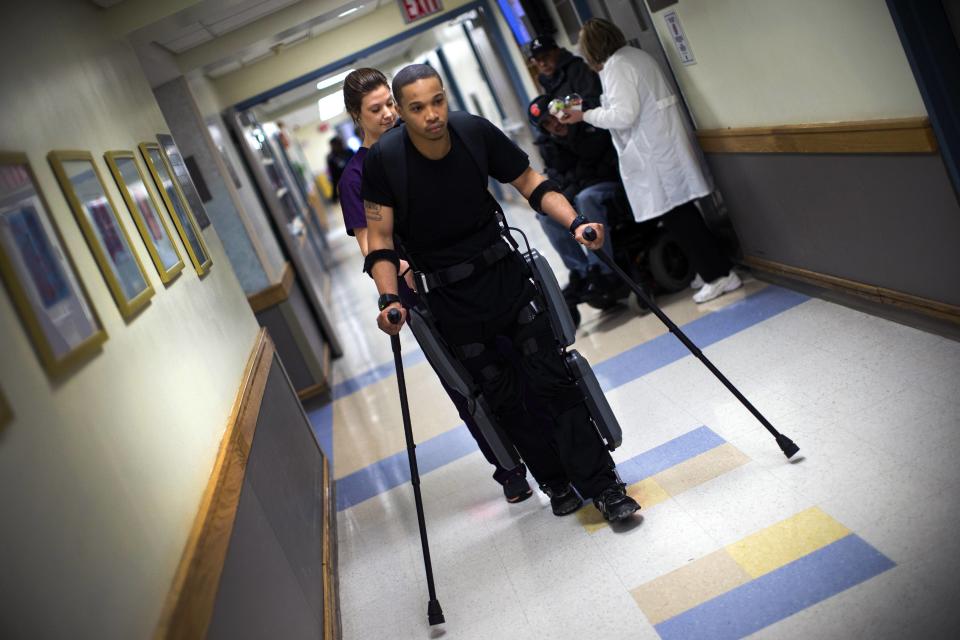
x=787, y=445
x=434, y=613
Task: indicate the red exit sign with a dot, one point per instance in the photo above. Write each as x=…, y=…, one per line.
x=416, y=9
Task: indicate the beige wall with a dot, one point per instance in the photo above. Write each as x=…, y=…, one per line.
x=102, y=470
x=762, y=62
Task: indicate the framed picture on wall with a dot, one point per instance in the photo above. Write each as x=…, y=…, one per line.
x=185, y=180
x=39, y=272
x=146, y=213
x=87, y=194
x=177, y=206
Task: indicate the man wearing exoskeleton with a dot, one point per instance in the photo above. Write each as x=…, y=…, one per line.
x=434, y=201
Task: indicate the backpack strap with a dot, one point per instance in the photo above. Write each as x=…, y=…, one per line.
x=469, y=128
x=394, y=157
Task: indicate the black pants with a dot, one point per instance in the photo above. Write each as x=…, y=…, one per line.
x=572, y=450
x=687, y=226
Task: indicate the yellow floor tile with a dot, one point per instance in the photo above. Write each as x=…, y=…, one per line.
x=700, y=469
x=786, y=541
x=646, y=492
x=689, y=586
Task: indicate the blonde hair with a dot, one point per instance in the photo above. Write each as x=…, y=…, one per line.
x=600, y=39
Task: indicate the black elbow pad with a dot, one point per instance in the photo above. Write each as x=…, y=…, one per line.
x=536, y=198
x=376, y=256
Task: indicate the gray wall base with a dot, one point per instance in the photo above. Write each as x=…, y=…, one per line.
x=887, y=220
x=297, y=338
x=272, y=585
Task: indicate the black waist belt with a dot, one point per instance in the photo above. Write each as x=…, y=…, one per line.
x=442, y=277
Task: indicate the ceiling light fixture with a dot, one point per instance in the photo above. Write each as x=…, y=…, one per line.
x=332, y=80
x=349, y=11
x=331, y=106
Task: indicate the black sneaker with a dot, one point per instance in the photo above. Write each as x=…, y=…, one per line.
x=516, y=489
x=563, y=499
x=614, y=503
x=576, y=288
x=604, y=290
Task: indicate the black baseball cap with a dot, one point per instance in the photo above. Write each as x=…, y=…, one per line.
x=541, y=44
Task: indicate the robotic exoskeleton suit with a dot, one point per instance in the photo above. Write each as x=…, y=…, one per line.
x=499, y=291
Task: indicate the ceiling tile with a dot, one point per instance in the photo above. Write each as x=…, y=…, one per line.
x=246, y=16
x=188, y=41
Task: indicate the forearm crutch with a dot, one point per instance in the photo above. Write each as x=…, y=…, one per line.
x=434, y=612
x=787, y=445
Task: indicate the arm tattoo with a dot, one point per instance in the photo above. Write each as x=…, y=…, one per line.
x=372, y=210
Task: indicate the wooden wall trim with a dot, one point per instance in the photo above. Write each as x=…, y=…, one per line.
x=331, y=607
x=901, y=135
x=189, y=606
x=275, y=293
x=882, y=295
x=322, y=387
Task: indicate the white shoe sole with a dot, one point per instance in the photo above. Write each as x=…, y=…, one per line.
x=732, y=283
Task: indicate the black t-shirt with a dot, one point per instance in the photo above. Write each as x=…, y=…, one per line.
x=450, y=218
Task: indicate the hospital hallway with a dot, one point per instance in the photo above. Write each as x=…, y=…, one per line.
x=853, y=538
x=201, y=434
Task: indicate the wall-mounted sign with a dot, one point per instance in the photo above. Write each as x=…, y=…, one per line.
x=679, y=38
x=416, y=9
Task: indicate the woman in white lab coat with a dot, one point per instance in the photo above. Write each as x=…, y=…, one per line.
x=659, y=164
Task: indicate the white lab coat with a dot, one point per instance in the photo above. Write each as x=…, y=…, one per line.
x=659, y=164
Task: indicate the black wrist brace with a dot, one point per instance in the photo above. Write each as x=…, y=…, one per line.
x=376, y=256
x=577, y=222
x=536, y=198
x=387, y=299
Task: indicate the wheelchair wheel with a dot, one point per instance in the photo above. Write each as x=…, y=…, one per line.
x=669, y=265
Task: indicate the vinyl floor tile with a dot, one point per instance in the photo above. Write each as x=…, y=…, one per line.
x=745, y=500
x=874, y=406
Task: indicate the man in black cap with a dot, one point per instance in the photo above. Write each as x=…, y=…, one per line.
x=583, y=162
x=562, y=73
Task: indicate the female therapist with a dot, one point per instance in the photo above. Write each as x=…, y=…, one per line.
x=659, y=165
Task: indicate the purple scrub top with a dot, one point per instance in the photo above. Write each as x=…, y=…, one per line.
x=350, y=201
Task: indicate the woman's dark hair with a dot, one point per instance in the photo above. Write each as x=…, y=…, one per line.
x=599, y=40
x=359, y=83
x=410, y=74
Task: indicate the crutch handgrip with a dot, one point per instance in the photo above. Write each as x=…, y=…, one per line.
x=589, y=234
x=393, y=316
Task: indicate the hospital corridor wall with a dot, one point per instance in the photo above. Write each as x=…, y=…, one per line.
x=822, y=147
x=170, y=455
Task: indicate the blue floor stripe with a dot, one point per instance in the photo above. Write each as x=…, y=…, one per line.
x=322, y=422
x=453, y=445
x=376, y=374
x=779, y=594
x=612, y=373
x=395, y=470
x=668, y=454
x=723, y=323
